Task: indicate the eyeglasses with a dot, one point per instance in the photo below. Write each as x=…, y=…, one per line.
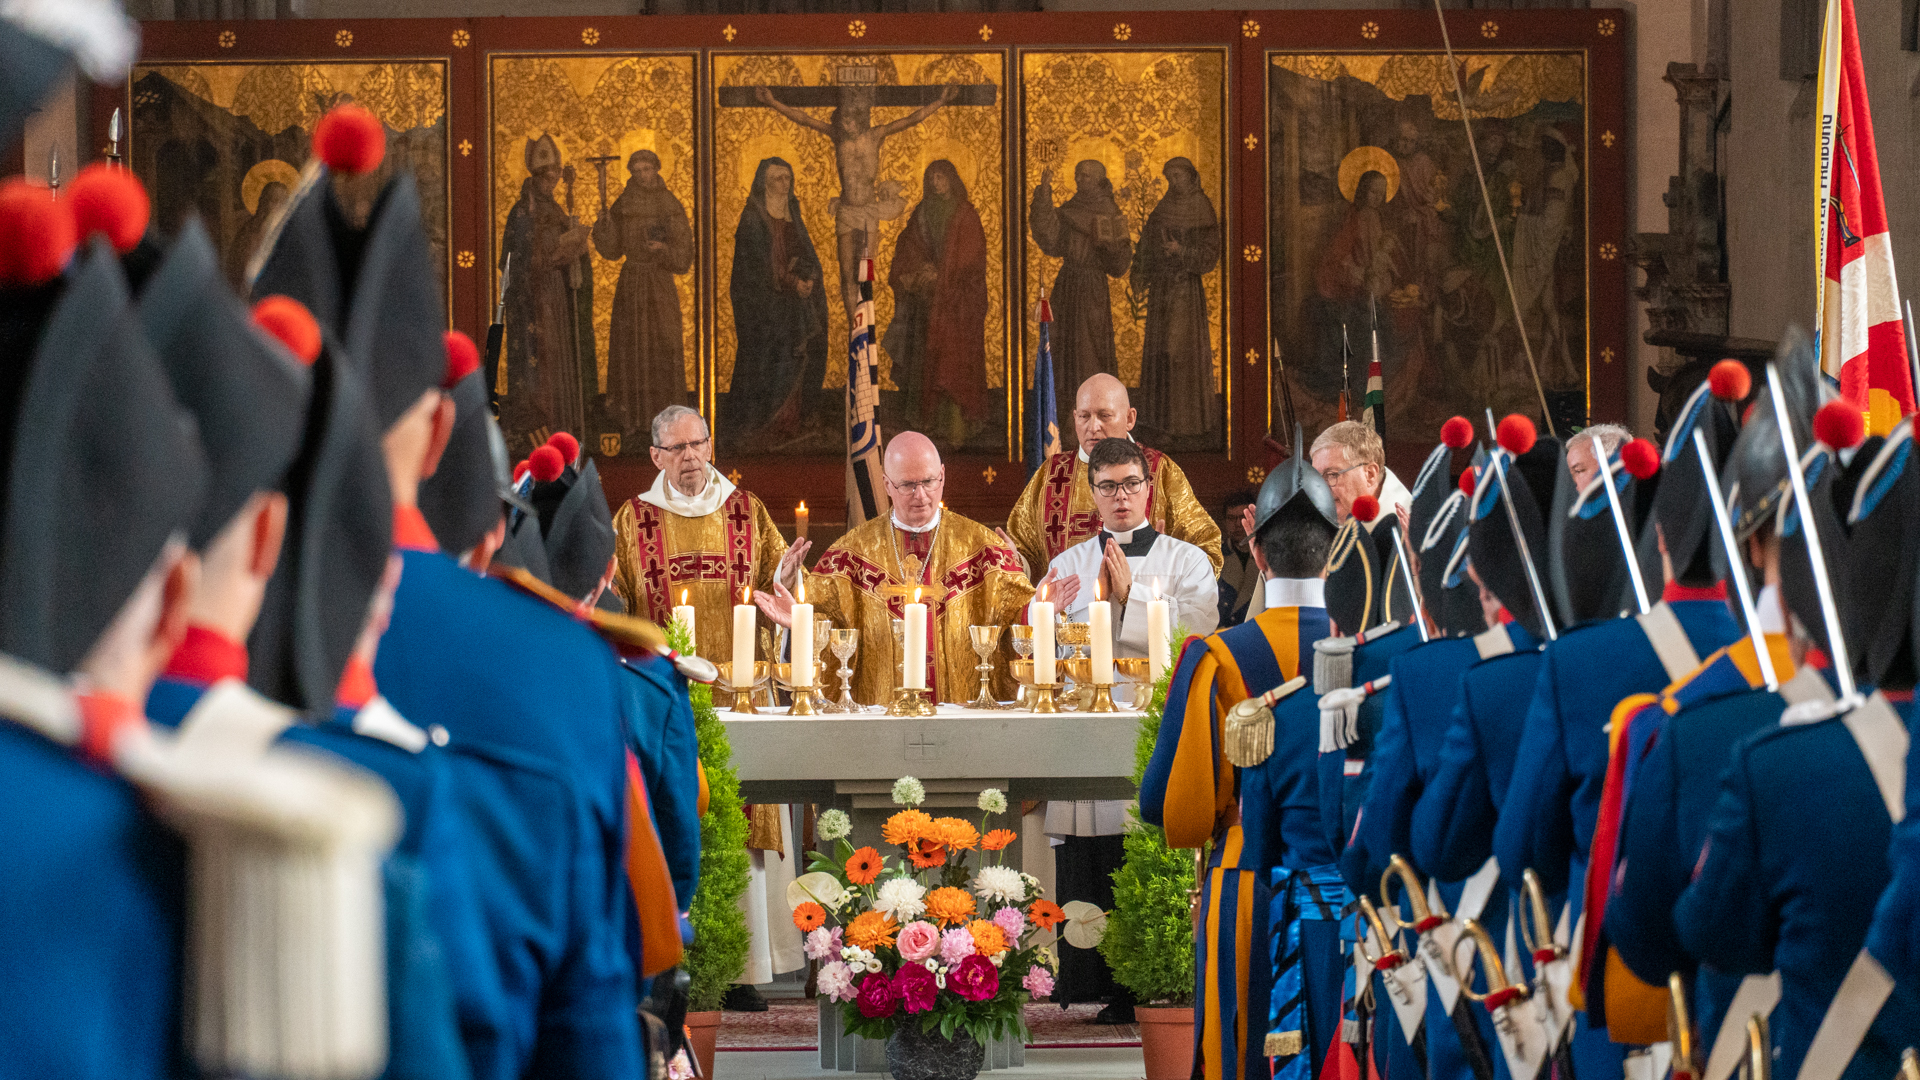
x=1131, y=485
x=680, y=448
x=1331, y=475
x=909, y=487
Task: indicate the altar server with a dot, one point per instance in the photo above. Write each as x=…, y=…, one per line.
x=1192, y=789
x=529, y=697
x=1056, y=510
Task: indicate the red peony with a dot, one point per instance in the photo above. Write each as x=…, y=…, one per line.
x=975, y=978
x=913, y=984
x=876, y=997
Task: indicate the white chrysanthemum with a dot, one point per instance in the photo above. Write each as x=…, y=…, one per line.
x=833, y=825
x=908, y=791
x=1000, y=883
x=902, y=897
x=993, y=801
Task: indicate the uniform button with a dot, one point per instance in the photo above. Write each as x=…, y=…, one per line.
x=438, y=734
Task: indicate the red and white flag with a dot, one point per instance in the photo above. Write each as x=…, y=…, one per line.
x=1862, y=341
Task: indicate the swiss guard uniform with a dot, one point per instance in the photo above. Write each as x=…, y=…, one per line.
x=529, y=697
x=1191, y=789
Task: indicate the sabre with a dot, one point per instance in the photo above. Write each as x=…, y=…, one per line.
x=1816, y=551
x=1519, y=534
x=496, y=333
x=1620, y=527
x=1735, y=563
x=1413, y=590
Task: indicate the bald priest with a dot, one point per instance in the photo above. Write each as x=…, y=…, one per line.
x=1057, y=510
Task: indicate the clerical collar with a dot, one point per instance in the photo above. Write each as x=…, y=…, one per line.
x=1767, y=606
x=668, y=498
x=1296, y=592
x=1083, y=450
x=1134, y=543
x=932, y=523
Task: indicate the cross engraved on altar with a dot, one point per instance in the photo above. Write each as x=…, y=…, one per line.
x=865, y=200
x=922, y=747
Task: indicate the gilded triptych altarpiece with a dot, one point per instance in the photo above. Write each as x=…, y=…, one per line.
x=1225, y=210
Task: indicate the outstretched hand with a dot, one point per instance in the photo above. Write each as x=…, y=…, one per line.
x=1061, y=591
x=777, y=605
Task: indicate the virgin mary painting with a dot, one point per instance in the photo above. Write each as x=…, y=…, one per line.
x=780, y=321
x=938, y=335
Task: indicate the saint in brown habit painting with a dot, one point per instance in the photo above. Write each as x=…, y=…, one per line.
x=551, y=373
x=937, y=336
x=1179, y=409
x=1089, y=235
x=647, y=227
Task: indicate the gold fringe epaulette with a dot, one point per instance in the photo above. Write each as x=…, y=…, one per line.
x=1247, y=731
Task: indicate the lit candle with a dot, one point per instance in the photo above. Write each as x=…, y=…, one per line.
x=683, y=614
x=1100, y=628
x=1040, y=616
x=916, y=644
x=800, y=521
x=1157, y=623
x=802, y=653
x=744, y=615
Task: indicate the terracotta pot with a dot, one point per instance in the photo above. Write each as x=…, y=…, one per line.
x=1166, y=1040
x=703, y=1028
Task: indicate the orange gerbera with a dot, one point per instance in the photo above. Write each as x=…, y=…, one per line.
x=988, y=938
x=872, y=930
x=950, y=906
x=809, y=916
x=927, y=853
x=957, y=833
x=1045, y=914
x=998, y=839
x=864, y=866
x=905, y=827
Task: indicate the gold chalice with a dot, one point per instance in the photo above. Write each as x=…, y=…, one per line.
x=845, y=641
x=1138, y=671
x=986, y=639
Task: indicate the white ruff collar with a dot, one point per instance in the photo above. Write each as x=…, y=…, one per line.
x=932, y=523
x=668, y=498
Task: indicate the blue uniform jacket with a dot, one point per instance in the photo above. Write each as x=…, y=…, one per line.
x=1895, y=936
x=91, y=917
x=1345, y=776
x=1560, y=770
x=1796, y=856
x=660, y=730
x=1454, y=819
x=533, y=701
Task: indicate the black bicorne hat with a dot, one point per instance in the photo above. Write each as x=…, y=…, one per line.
x=1883, y=549
x=339, y=537
x=1680, y=506
x=1435, y=522
x=1830, y=490
x=373, y=289
x=1353, y=579
x=247, y=393
x=578, y=531
x=1588, y=564
x=1533, y=479
x=1756, y=469
x=461, y=500
x=524, y=547
x=102, y=464
x=1294, y=480
x=1395, y=597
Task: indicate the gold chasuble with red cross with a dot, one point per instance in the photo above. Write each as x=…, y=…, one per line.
x=659, y=555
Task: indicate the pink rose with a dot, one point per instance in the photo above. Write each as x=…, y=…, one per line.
x=1011, y=923
x=956, y=945
x=877, y=997
x=918, y=940
x=1039, y=982
x=975, y=979
x=913, y=984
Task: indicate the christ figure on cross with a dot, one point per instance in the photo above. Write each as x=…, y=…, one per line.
x=865, y=200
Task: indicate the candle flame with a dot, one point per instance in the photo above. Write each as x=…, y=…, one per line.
x=1156, y=588
x=683, y=598
x=916, y=594
x=1043, y=594
x=746, y=594
x=1099, y=590
x=803, y=590
x=802, y=508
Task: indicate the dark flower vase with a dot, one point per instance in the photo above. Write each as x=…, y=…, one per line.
x=912, y=1055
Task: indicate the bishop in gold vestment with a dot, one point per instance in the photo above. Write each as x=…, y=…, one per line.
x=693, y=534
x=968, y=577
x=1056, y=510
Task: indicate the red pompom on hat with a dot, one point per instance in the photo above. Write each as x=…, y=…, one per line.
x=1640, y=458
x=1840, y=424
x=289, y=321
x=1467, y=482
x=110, y=201
x=463, y=358
x=520, y=470
x=1366, y=508
x=1456, y=433
x=350, y=139
x=37, y=234
x=1730, y=381
x=567, y=445
x=546, y=464
x=1516, y=434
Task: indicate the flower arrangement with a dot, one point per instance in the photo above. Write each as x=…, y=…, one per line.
x=917, y=935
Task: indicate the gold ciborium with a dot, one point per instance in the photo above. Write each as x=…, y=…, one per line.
x=985, y=640
x=1077, y=634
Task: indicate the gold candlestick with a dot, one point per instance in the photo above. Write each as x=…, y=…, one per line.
x=1102, y=698
x=909, y=702
x=743, y=701
x=1043, y=697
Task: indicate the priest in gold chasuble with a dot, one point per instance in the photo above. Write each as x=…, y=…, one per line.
x=694, y=534
x=967, y=577
x=1056, y=510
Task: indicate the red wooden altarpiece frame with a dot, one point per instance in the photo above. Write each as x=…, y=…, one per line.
x=984, y=486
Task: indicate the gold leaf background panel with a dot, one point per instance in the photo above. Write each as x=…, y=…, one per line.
x=213, y=139
x=968, y=136
x=597, y=106
x=1131, y=111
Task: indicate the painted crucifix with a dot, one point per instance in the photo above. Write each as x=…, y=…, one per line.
x=865, y=200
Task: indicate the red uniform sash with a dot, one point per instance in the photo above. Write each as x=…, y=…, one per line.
x=659, y=572
x=1061, y=530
